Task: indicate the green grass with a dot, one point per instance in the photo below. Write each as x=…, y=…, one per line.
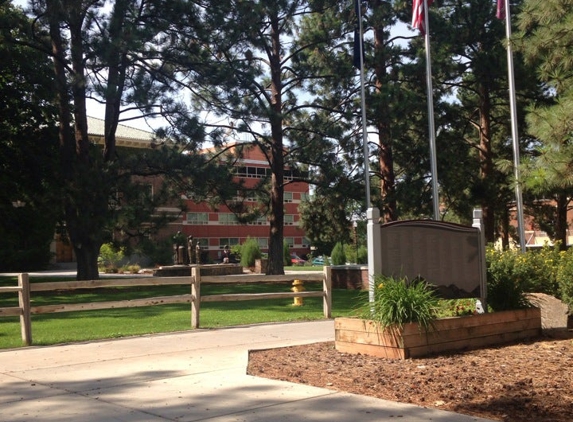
x=78, y=326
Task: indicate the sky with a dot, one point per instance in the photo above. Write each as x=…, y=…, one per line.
x=96, y=109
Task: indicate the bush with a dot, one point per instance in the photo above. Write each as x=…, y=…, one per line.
x=130, y=269
x=110, y=257
x=362, y=257
x=286, y=254
x=250, y=252
x=565, y=277
x=156, y=252
x=398, y=302
x=542, y=268
x=507, y=278
x=338, y=257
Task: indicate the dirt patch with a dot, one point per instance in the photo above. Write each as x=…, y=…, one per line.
x=520, y=382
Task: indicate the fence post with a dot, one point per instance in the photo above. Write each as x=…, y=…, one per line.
x=24, y=303
x=195, y=295
x=327, y=290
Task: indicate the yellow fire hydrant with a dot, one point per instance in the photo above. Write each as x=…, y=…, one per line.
x=297, y=286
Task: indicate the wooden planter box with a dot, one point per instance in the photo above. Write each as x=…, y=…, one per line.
x=353, y=335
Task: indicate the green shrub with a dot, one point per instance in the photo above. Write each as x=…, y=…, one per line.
x=399, y=301
x=362, y=257
x=110, y=257
x=456, y=307
x=565, y=277
x=130, y=269
x=250, y=252
x=286, y=254
x=542, y=268
x=236, y=251
x=507, y=279
x=157, y=252
x=338, y=257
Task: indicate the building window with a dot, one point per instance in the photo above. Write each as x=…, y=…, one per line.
x=287, y=197
x=197, y=218
x=263, y=242
x=227, y=219
x=289, y=241
x=289, y=219
x=228, y=241
x=261, y=221
x=305, y=242
x=203, y=243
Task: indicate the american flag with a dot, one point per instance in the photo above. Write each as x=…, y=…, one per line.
x=418, y=17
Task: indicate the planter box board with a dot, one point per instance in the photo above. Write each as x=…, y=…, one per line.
x=353, y=335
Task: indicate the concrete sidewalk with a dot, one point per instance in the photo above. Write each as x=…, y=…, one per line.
x=191, y=376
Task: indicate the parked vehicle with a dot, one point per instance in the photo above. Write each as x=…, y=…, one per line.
x=297, y=260
x=319, y=260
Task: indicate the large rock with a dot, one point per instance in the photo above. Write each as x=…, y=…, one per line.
x=554, y=313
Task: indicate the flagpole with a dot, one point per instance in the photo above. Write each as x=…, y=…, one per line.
x=514, y=131
x=373, y=237
x=363, y=104
x=431, y=127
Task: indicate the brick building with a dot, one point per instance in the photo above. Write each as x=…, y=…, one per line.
x=212, y=228
x=216, y=228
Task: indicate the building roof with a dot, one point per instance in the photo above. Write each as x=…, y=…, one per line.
x=126, y=136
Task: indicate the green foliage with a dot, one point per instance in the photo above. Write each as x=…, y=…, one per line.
x=324, y=218
x=110, y=256
x=456, y=307
x=236, y=251
x=129, y=269
x=506, y=281
x=338, y=257
x=511, y=274
x=399, y=301
x=29, y=179
x=565, y=277
x=362, y=257
x=286, y=254
x=157, y=252
x=250, y=252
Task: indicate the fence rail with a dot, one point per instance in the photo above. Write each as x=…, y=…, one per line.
x=25, y=288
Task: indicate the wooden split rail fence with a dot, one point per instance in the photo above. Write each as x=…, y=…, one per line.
x=25, y=309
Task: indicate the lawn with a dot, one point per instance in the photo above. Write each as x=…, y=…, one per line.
x=48, y=329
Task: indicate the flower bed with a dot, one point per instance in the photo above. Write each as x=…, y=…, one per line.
x=353, y=335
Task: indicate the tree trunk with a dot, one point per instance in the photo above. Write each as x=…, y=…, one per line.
x=117, y=60
x=486, y=163
x=276, y=264
x=87, y=255
x=85, y=203
x=385, y=158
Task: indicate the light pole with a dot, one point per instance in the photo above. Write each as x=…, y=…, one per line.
x=355, y=225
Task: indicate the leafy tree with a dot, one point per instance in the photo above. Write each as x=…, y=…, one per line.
x=475, y=144
x=396, y=110
x=128, y=56
x=546, y=40
x=29, y=176
x=252, y=83
x=324, y=219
